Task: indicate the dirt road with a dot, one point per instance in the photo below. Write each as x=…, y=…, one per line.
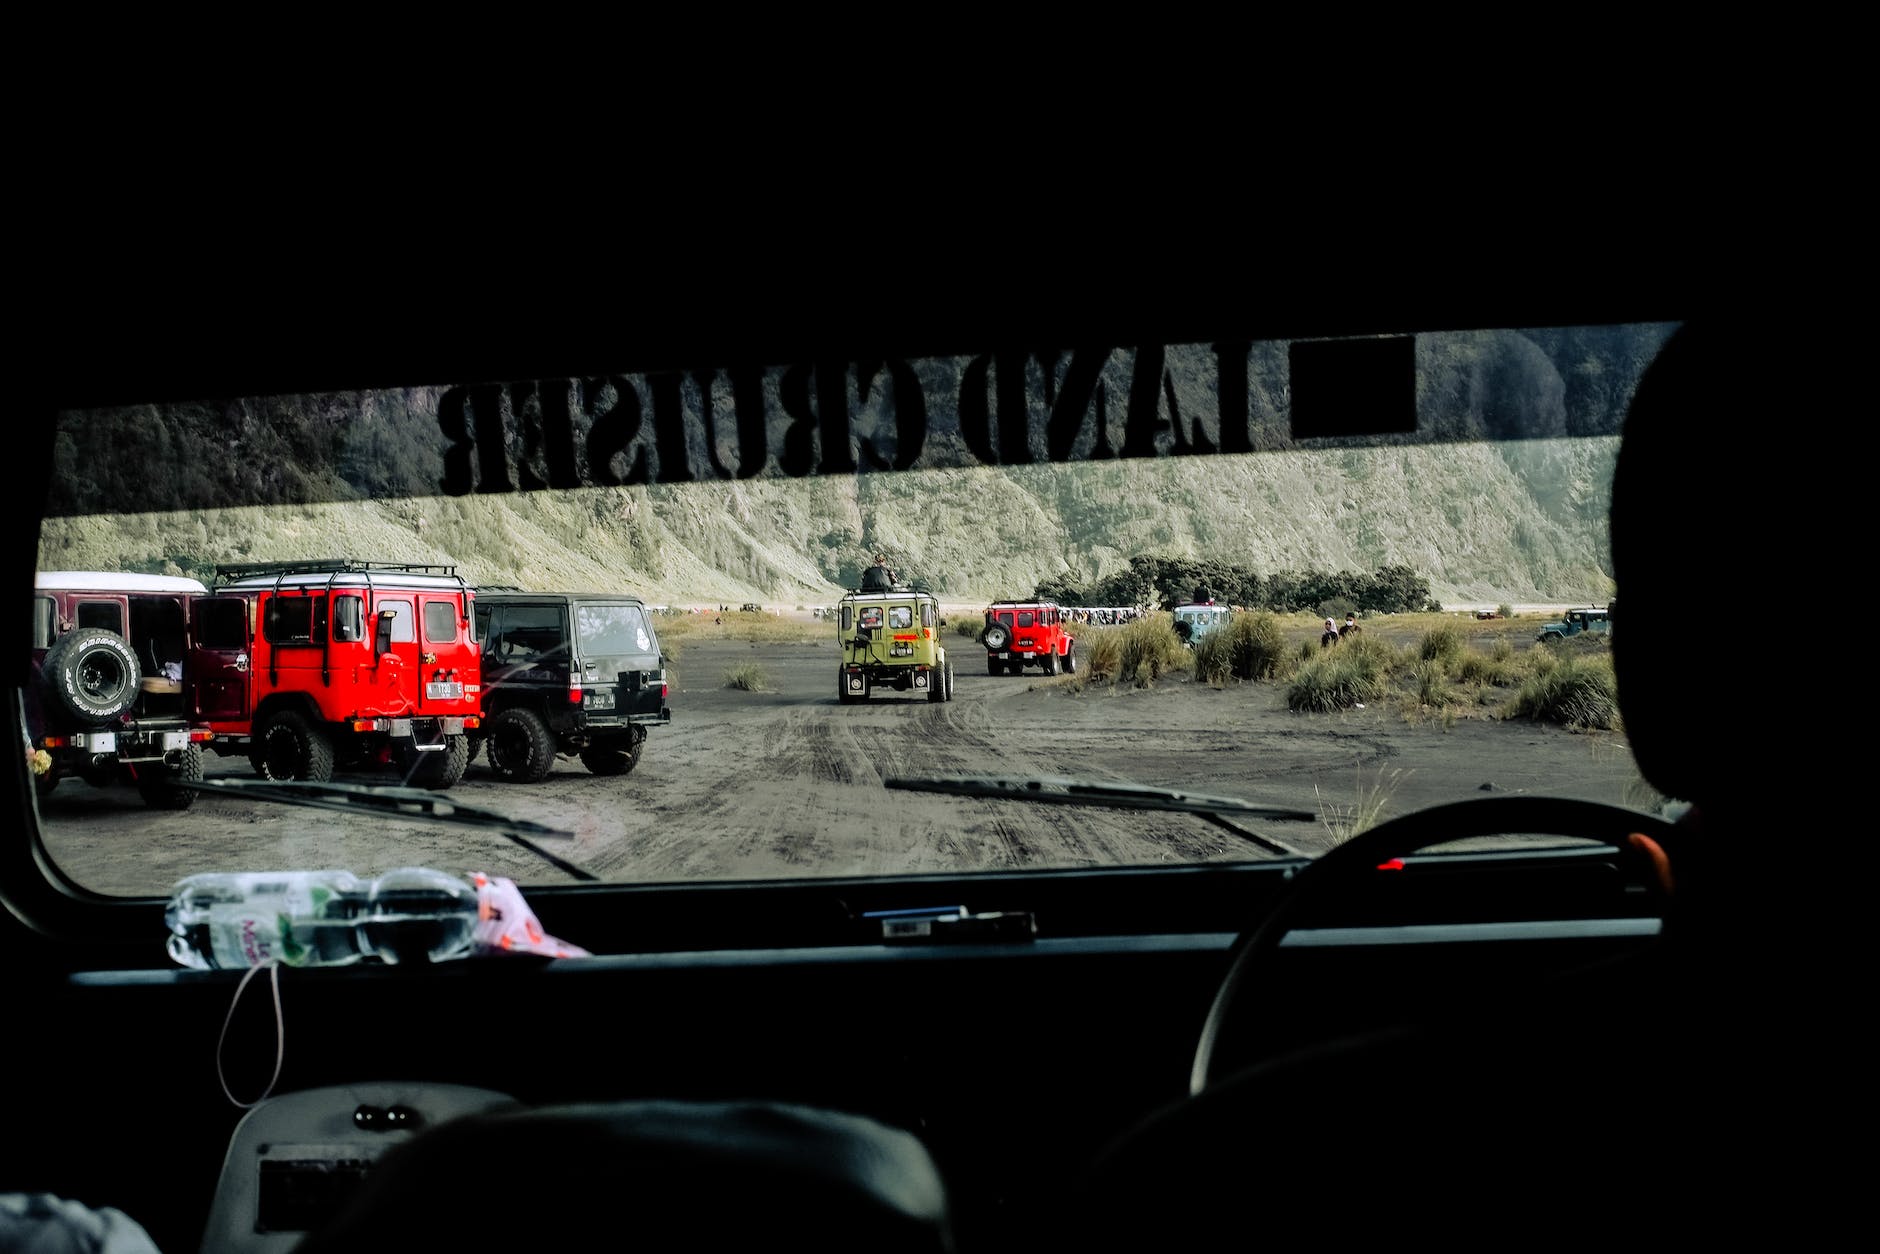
x=787, y=782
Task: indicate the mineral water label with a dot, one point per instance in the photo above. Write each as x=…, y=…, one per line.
x=241, y=937
x=251, y=932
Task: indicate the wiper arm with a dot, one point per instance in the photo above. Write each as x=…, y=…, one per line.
x=1054, y=790
x=417, y=803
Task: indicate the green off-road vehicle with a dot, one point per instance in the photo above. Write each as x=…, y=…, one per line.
x=890, y=638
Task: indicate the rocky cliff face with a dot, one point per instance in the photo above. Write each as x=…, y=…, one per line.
x=984, y=512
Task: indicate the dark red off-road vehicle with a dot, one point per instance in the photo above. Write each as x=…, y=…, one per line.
x=109, y=704
x=1022, y=633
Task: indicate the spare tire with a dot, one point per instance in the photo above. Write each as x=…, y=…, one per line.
x=92, y=674
x=995, y=637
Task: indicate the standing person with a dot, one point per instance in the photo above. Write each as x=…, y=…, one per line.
x=1329, y=636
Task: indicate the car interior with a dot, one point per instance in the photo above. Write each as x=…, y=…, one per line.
x=1610, y=1036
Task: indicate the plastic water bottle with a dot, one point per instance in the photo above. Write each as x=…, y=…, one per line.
x=415, y=914
x=246, y=918
x=319, y=918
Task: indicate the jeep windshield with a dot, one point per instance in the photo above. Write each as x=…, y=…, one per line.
x=1041, y=516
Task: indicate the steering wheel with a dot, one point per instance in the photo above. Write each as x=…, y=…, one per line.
x=1487, y=816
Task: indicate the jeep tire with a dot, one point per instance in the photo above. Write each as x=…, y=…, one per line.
x=521, y=748
x=437, y=768
x=287, y=746
x=616, y=755
x=1070, y=660
x=1048, y=663
x=160, y=786
x=994, y=666
x=93, y=674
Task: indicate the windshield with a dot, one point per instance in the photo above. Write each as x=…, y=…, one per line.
x=1381, y=565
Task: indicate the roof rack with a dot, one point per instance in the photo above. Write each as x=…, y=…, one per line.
x=324, y=566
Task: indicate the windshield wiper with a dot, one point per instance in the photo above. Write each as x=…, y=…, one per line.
x=1056, y=790
x=416, y=803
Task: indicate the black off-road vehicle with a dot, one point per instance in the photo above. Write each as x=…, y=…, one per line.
x=566, y=673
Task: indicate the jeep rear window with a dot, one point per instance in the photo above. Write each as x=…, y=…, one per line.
x=294, y=620
x=611, y=630
x=106, y=614
x=900, y=617
x=1024, y=618
x=440, y=621
x=404, y=630
x=42, y=622
x=926, y=613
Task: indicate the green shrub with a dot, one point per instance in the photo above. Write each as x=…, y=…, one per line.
x=1496, y=668
x=1430, y=683
x=1249, y=647
x=968, y=627
x=747, y=675
x=1336, y=679
x=1151, y=649
x=1100, y=652
x=1574, y=692
x=1441, y=644
x=1505, y=611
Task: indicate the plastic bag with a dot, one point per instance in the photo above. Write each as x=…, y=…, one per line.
x=506, y=925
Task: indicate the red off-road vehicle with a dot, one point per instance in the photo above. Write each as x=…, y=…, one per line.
x=305, y=666
x=1021, y=633
x=109, y=704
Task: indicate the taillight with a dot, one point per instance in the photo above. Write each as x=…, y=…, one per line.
x=574, y=690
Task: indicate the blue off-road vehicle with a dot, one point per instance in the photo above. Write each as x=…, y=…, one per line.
x=1592, y=620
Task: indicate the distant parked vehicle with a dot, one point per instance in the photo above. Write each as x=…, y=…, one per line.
x=1196, y=622
x=1593, y=620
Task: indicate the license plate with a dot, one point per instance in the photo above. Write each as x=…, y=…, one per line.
x=452, y=691
x=600, y=700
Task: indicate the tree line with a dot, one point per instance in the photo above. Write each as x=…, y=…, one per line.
x=1171, y=581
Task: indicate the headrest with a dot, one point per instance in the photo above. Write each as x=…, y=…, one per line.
x=680, y=1175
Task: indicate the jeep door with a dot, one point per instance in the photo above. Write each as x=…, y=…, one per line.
x=619, y=658
x=449, y=667
x=216, y=666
